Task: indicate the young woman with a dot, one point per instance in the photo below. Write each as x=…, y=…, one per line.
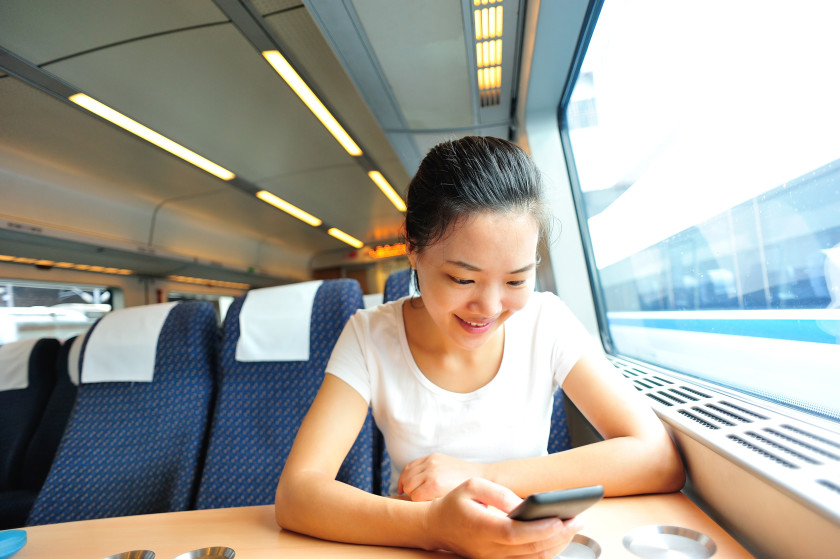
x=461, y=382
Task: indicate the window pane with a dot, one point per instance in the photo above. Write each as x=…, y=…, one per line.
x=706, y=148
x=31, y=310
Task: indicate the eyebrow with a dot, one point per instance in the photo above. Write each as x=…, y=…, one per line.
x=471, y=268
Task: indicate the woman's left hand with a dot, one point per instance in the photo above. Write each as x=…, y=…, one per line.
x=435, y=475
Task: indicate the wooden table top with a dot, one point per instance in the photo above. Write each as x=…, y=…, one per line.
x=252, y=533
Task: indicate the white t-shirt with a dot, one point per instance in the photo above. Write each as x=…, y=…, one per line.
x=507, y=418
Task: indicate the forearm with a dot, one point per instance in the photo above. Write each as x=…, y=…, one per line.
x=312, y=504
x=623, y=465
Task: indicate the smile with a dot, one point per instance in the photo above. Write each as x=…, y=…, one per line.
x=476, y=327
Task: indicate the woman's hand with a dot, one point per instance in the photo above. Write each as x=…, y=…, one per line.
x=435, y=475
x=466, y=521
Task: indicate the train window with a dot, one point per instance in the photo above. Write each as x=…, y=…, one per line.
x=44, y=310
x=702, y=144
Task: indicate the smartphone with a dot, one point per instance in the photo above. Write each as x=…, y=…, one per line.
x=564, y=504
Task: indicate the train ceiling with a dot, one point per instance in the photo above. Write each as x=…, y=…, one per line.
x=399, y=76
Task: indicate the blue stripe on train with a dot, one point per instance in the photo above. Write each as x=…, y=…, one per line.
x=797, y=329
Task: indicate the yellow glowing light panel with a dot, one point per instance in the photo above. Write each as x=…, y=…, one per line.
x=290, y=209
x=386, y=251
x=150, y=135
x=387, y=190
x=344, y=237
x=311, y=100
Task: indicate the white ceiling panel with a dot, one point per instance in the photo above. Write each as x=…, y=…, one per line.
x=45, y=30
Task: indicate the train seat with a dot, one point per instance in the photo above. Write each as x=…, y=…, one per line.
x=27, y=377
x=264, y=394
x=136, y=434
x=397, y=285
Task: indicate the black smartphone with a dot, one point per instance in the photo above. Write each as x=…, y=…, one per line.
x=564, y=503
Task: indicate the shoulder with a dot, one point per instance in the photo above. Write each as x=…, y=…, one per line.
x=375, y=321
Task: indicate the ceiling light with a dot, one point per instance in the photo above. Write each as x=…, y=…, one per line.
x=344, y=237
x=488, y=51
x=150, y=135
x=279, y=203
x=387, y=189
x=279, y=63
x=64, y=265
x=210, y=282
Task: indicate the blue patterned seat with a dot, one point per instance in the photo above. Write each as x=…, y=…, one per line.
x=134, y=447
x=261, y=405
x=21, y=406
x=21, y=410
x=397, y=285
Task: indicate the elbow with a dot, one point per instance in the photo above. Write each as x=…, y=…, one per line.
x=670, y=471
x=283, y=505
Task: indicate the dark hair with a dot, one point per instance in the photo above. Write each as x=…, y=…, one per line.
x=462, y=177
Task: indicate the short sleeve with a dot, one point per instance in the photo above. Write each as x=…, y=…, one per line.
x=570, y=339
x=348, y=361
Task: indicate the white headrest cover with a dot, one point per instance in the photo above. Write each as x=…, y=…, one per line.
x=122, y=347
x=274, y=323
x=73, y=357
x=14, y=364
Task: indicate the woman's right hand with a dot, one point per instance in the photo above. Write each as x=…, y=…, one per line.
x=464, y=521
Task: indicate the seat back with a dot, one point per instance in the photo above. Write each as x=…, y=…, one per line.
x=27, y=377
x=261, y=405
x=134, y=447
x=397, y=285
x=44, y=442
x=558, y=436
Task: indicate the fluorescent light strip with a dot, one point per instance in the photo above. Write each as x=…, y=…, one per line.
x=344, y=237
x=279, y=63
x=150, y=135
x=65, y=265
x=290, y=209
x=387, y=190
x=209, y=282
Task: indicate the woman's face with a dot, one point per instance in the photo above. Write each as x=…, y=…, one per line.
x=478, y=274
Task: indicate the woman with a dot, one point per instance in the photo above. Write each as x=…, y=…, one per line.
x=461, y=382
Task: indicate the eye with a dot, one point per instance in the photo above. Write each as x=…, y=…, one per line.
x=460, y=281
x=517, y=283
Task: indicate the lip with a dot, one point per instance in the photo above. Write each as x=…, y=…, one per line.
x=476, y=327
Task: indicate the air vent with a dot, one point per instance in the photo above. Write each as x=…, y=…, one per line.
x=798, y=455
x=829, y=485
x=713, y=416
x=762, y=452
x=698, y=420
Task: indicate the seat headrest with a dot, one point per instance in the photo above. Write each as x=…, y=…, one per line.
x=73, y=354
x=14, y=364
x=122, y=345
x=274, y=323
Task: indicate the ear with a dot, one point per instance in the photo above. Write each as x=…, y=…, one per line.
x=412, y=257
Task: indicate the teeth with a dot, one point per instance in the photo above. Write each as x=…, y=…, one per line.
x=477, y=325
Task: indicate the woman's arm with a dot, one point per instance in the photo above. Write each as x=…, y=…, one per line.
x=309, y=499
x=637, y=455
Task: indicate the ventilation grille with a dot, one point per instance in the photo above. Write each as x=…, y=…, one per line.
x=798, y=455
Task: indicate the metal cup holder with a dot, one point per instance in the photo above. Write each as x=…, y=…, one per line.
x=669, y=542
x=208, y=553
x=136, y=554
x=581, y=547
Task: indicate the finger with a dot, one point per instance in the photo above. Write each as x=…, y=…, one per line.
x=411, y=477
x=544, y=538
x=491, y=494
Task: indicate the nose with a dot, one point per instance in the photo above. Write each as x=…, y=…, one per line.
x=486, y=300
